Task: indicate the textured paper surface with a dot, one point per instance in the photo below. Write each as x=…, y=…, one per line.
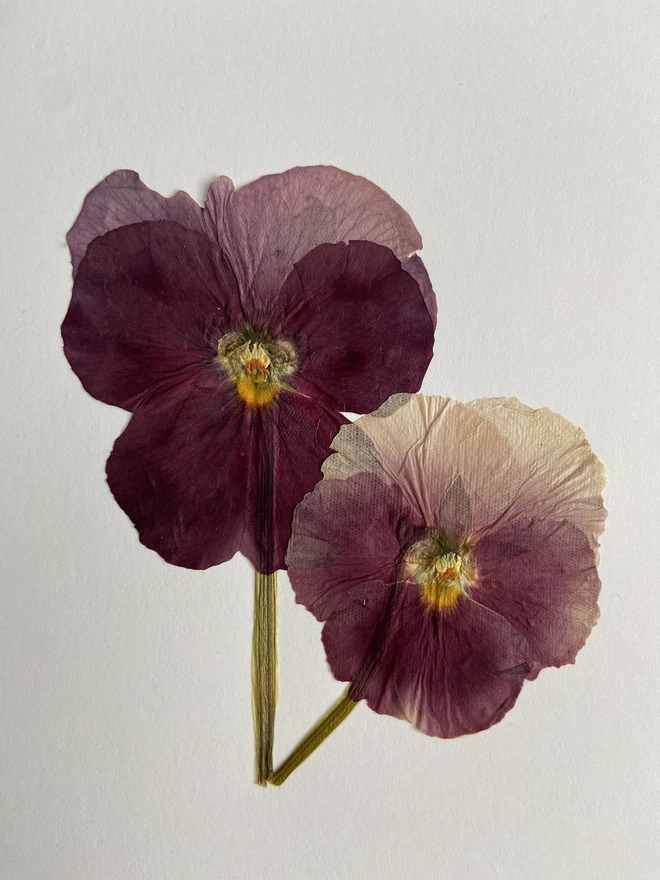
x=524, y=144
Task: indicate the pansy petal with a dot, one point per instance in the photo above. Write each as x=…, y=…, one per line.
x=415, y=267
x=149, y=304
x=541, y=576
x=453, y=673
x=291, y=438
x=270, y=224
x=358, y=322
x=180, y=471
x=562, y=477
x=447, y=673
x=345, y=535
x=423, y=445
x=121, y=199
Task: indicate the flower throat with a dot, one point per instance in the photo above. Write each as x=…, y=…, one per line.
x=444, y=569
x=256, y=364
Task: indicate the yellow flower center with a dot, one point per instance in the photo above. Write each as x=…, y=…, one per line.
x=257, y=365
x=444, y=571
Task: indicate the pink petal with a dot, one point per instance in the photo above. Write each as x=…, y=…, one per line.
x=270, y=224
x=121, y=199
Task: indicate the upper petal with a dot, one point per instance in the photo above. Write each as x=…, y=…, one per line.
x=121, y=198
x=358, y=322
x=149, y=303
x=562, y=476
x=270, y=224
x=424, y=445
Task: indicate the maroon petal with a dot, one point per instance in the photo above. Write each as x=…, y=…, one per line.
x=268, y=225
x=345, y=535
x=541, y=576
x=358, y=322
x=448, y=673
x=291, y=439
x=121, y=199
x=180, y=471
x=454, y=673
x=149, y=304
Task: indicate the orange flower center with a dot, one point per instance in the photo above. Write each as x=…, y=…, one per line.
x=444, y=574
x=256, y=364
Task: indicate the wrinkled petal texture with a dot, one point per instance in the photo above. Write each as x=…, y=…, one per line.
x=264, y=227
x=149, y=304
x=421, y=463
x=269, y=225
x=511, y=460
x=358, y=323
x=541, y=576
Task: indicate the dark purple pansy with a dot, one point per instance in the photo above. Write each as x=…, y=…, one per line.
x=451, y=551
x=236, y=334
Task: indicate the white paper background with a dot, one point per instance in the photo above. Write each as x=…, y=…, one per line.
x=523, y=137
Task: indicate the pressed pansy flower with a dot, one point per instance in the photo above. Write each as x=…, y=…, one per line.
x=451, y=552
x=236, y=334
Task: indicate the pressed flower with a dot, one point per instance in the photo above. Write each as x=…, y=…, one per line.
x=451, y=552
x=236, y=334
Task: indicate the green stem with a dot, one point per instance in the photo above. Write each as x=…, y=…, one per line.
x=330, y=721
x=264, y=671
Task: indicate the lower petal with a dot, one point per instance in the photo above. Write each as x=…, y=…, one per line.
x=291, y=439
x=447, y=673
x=180, y=472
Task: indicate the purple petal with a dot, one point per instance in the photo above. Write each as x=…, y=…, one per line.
x=290, y=440
x=149, y=304
x=447, y=673
x=202, y=476
x=358, y=322
x=121, y=199
x=270, y=224
x=453, y=673
x=344, y=535
x=180, y=471
x=541, y=576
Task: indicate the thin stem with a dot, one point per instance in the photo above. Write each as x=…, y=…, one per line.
x=330, y=721
x=264, y=671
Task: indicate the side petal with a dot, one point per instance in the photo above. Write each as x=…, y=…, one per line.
x=149, y=303
x=270, y=224
x=343, y=536
x=358, y=322
x=541, y=576
x=121, y=198
x=180, y=471
x=291, y=439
